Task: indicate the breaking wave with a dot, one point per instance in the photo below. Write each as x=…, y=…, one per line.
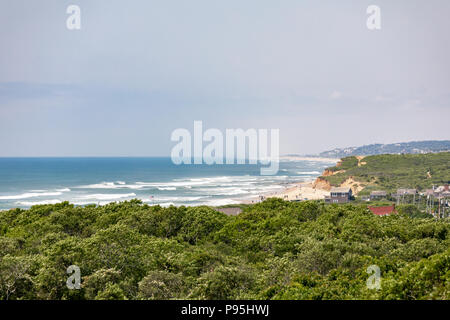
x=30, y=195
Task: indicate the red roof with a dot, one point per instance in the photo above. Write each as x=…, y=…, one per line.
x=382, y=211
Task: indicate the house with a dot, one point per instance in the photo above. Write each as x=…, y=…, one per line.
x=442, y=191
x=406, y=192
x=339, y=195
x=401, y=193
x=439, y=192
x=383, y=211
x=377, y=195
x=365, y=198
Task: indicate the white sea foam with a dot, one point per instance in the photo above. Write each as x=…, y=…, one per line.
x=179, y=183
x=112, y=185
x=102, y=185
x=193, y=182
x=174, y=199
x=84, y=203
x=30, y=195
x=106, y=196
x=173, y=184
x=223, y=191
x=225, y=181
x=34, y=203
x=238, y=184
x=167, y=188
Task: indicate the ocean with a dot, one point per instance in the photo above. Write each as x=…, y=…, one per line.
x=25, y=182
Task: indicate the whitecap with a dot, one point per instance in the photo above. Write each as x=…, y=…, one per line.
x=167, y=188
x=193, y=182
x=225, y=191
x=103, y=196
x=34, y=203
x=112, y=185
x=84, y=203
x=174, y=199
x=30, y=195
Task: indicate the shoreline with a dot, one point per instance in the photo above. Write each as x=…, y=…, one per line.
x=299, y=188
x=299, y=191
x=296, y=191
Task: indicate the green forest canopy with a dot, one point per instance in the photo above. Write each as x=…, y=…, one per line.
x=389, y=172
x=273, y=250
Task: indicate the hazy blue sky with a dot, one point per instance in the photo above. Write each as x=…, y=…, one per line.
x=137, y=70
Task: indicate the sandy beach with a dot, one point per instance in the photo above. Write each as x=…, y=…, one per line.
x=299, y=191
x=302, y=191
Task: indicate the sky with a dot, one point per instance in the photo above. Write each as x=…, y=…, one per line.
x=137, y=70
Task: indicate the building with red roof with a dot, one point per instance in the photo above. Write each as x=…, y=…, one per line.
x=383, y=211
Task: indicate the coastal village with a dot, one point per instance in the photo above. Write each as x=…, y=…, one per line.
x=434, y=201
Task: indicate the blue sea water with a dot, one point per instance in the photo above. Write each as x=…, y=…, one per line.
x=25, y=182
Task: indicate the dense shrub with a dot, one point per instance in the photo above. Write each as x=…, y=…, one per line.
x=272, y=250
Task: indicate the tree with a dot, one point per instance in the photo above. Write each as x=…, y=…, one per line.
x=161, y=285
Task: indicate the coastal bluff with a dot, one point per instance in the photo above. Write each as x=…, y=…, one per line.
x=386, y=172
